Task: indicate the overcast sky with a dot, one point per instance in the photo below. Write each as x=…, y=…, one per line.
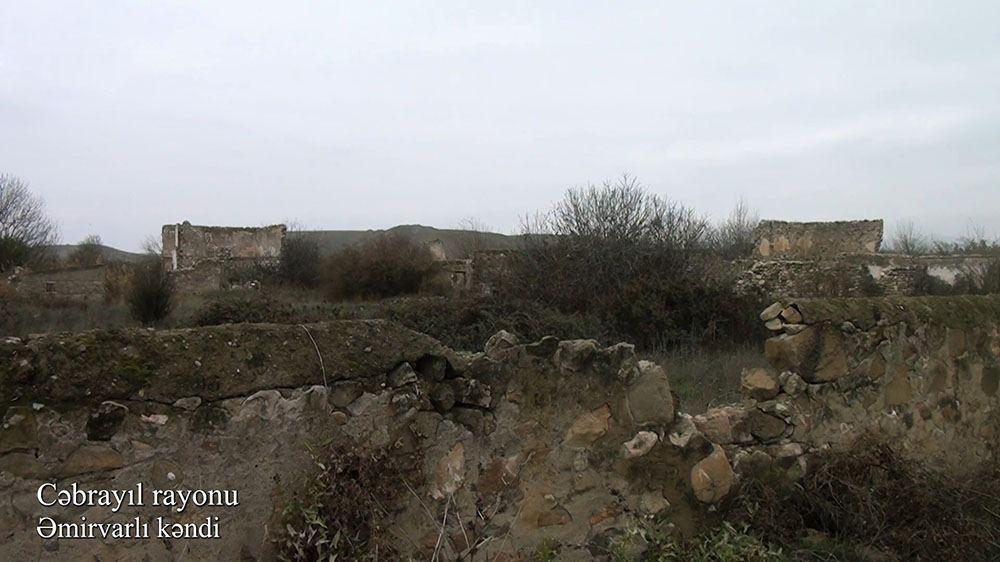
x=126, y=115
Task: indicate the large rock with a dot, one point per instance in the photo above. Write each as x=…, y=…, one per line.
x=816, y=353
x=588, y=427
x=764, y=427
x=576, y=355
x=759, y=384
x=499, y=342
x=712, y=477
x=91, y=458
x=771, y=312
x=450, y=473
x=642, y=443
x=650, y=402
x=723, y=425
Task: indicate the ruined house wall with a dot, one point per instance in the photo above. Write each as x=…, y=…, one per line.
x=84, y=284
x=194, y=244
x=206, y=258
x=562, y=443
x=857, y=275
x=816, y=240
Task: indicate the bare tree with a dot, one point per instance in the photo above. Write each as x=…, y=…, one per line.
x=624, y=212
x=472, y=238
x=26, y=231
x=733, y=238
x=908, y=240
x=152, y=245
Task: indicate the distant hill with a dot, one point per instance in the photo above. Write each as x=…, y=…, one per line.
x=62, y=251
x=456, y=243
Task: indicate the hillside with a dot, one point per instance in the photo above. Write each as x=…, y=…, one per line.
x=456, y=243
x=62, y=251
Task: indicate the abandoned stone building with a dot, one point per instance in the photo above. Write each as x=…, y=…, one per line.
x=842, y=259
x=204, y=258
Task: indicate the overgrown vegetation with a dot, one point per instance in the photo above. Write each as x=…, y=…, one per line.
x=726, y=543
x=244, y=306
x=88, y=252
x=871, y=498
x=300, y=262
x=643, y=265
x=340, y=514
x=26, y=231
x=151, y=293
x=386, y=265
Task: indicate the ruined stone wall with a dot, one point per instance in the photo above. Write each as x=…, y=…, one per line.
x=816, y=240
x=922, y=372
x=84, y=284
x=186, y=245
x=522, y=446
x=206, y=258
x=858, y=275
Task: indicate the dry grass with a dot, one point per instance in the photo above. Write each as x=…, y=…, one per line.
x=870, y=499
x=704, y=378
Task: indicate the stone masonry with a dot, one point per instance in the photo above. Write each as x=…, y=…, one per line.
x=565, y=443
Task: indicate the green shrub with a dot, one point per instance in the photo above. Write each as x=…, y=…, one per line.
x=151, y=293
x=387, y=265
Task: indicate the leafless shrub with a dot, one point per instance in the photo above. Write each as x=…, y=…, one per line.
x=384, y=266
x=88, y=252
x=733, y=237
x=26, y=231
x=151, y=292
x=153, y=246
x=634, y=259
x=472, y=238
x=869, y=495
x=300, y=262
x=909, y=240
x=341, y=514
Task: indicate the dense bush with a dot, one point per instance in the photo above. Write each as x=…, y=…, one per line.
x=386, y=265
x=869, y=496
x=151, y=292
x=639, y=263
x=300, y=262
x=339, y=516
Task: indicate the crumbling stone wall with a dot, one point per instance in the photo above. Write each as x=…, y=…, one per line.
x=816, y=240
x=523, y=446
x=203, y=258
x=922, y=372
x=84, y=284
x=858, y=275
